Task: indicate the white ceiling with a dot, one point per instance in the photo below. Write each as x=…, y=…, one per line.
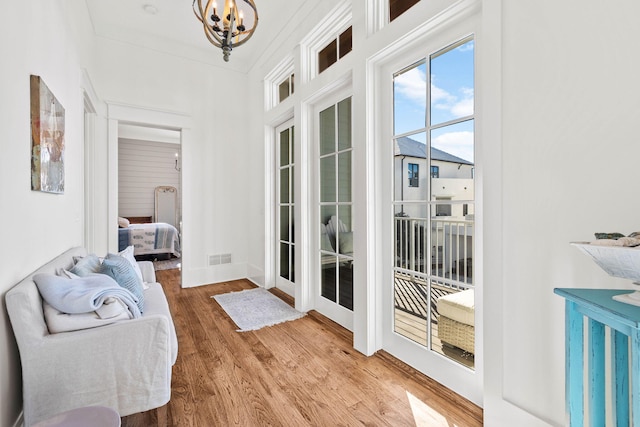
x=175, y=30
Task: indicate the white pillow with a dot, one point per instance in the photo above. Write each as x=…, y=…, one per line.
x=123, y=222
x=337, y=224
x=325, y=243
x=346, y=242
x=128, y=255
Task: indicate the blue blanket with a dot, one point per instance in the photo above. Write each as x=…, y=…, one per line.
x=83, y=294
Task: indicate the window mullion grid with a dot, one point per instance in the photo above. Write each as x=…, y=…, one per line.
x=336, y=137
x=429, y=243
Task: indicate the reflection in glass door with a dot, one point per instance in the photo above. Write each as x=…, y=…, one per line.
x=434, y=202
x=285, y=258
x=335, y=228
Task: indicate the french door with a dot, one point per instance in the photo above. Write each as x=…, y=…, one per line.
x=433, y=274
x=334, y=229
x=285, y=220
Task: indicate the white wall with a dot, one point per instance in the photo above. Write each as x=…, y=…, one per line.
x=36, y=226
x=143, y=166
x=569, y=86
x=214, y=176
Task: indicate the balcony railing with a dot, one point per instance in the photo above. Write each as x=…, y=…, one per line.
x=447, y=252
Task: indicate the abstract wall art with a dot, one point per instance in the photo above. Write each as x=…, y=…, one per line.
x=47, y=139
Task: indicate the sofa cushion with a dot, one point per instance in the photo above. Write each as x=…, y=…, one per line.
x=122, y=272
x=458, y=306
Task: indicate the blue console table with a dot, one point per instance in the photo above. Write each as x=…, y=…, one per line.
x=624, y=320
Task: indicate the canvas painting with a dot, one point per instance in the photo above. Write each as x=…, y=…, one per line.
x=47, y=139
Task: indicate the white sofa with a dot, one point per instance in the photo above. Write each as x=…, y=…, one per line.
x=124, y=365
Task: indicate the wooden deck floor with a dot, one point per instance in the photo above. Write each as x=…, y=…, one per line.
x=415, y=328
x=300, y=373
x=412, y=312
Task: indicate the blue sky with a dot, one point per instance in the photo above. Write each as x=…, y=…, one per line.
x=452, y=94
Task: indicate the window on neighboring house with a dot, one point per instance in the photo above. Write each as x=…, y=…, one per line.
x=335, y=50
x=413, y=175
x=285, y=88
x=398, y=7
x=435, y=171
x=443, y=210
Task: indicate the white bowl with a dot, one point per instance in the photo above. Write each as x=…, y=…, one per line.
x=617, y=261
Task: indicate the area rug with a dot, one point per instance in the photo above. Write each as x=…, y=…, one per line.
x=168, y=264
x=253, y=309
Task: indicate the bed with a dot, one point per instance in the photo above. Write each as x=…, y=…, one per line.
x=150, y=239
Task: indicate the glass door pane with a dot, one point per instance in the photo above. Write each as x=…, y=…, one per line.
x=335, y=200
x=284, y=213
x=434, y=212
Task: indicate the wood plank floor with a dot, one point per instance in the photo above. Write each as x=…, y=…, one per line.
x=299, y=373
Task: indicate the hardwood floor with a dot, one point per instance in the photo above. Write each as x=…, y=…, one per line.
x=299, y=373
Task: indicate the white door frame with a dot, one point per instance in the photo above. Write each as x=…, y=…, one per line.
x=93, y=108
x=457, y=24
x=126, y=114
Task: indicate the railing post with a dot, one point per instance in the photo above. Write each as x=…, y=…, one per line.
x=412, y=244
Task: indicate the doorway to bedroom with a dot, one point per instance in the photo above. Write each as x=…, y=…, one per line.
x=150, y=194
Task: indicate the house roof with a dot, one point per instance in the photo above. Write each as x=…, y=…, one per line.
x=405, y=146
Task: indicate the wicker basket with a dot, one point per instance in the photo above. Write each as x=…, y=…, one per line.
x=456, y=334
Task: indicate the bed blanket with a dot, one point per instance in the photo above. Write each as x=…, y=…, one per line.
x=153, y=238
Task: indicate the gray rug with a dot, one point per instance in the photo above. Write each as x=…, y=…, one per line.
x=253, y=309
x=168, y=264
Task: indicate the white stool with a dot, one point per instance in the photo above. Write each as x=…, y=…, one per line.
x=94, y=416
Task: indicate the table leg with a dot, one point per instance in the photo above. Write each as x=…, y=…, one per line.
x=635, y=374
x=596, y=374
x=620, y=377
x=574, y=365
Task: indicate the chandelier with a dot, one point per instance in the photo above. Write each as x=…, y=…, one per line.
x=228, y=29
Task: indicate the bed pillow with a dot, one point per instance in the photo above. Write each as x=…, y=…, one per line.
x=87, y=265
x=121, y=270
x=123, y=222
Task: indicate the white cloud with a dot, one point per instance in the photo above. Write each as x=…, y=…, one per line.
x=439, y=96
x=463, y=107
x=412, y=85
x=457, y=143
x=466, y=47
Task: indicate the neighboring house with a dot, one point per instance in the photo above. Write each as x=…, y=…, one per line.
x=447, y=177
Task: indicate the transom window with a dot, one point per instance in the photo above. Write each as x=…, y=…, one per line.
x=398, y=7
x=335, y=50
x=285, y=88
